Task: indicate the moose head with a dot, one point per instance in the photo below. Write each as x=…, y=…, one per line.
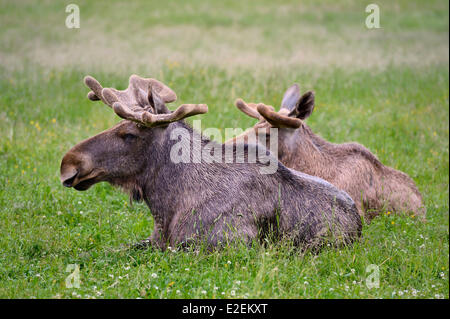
x=118, y=154
x=295, y=108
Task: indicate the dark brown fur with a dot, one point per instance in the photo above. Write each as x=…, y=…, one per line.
x=213, y=203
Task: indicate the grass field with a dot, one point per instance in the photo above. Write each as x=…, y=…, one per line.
x=386, y=88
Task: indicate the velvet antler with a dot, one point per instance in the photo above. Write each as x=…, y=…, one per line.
x=143, y=101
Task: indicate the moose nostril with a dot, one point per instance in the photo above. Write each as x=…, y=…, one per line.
x=69, y=182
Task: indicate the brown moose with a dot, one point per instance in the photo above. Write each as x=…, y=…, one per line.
x=213, y=203
x=350, y=166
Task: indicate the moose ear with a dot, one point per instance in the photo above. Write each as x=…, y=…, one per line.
x=291, y=97
x=304, y=106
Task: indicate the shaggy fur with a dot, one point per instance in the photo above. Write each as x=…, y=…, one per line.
x=214, y=203
x=374, y=187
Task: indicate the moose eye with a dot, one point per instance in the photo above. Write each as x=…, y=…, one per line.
x=128, y=137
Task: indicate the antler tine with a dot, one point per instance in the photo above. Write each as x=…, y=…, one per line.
x=96, y=87
x=151, y=120
x=92, y=96
x=148, y=119
x=277, y=119
x=183, y=111
x=109, y=97
x=167, y=94
x=249, y=109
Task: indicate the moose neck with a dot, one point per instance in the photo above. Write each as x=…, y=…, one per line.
x=169, y=187
x=305, y=151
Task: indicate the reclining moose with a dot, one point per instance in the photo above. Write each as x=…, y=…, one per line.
x=350, y=166
x=213, y=203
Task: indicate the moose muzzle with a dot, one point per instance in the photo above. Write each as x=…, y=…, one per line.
x=77, y=171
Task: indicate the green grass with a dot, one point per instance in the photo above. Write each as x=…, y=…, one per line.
x=396, y=106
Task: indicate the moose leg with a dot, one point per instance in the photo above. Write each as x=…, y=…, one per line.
x=224, y=233
x=219, y=235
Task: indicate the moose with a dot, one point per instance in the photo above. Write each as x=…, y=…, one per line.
x=350, y=166
x=210, y=203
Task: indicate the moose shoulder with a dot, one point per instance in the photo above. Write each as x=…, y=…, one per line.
x=350, y=166
x=209, y=202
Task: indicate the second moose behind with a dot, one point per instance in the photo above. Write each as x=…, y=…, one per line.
x=350, y=166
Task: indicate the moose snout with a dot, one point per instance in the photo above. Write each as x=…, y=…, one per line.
x=68, y=176
x=74, y=168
